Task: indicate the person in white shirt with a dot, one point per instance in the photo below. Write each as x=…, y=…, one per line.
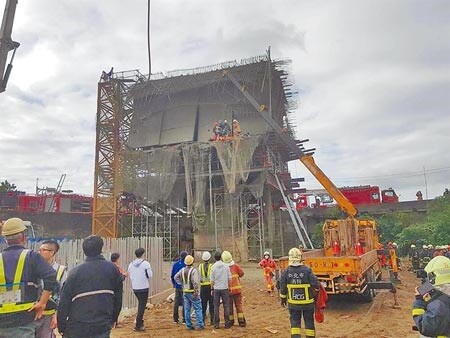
x=140, y=272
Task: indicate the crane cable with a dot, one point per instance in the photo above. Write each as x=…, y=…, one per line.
x=148, y=41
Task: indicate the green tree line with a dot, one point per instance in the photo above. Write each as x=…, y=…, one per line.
x=406, y=228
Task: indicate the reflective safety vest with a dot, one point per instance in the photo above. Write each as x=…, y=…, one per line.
x=299, y=294
x=205, y=276
x=187, y=283
x=11, y=293
x=59, y=272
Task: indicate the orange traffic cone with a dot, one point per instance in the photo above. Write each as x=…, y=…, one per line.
x=359, y=249
x=336, y=249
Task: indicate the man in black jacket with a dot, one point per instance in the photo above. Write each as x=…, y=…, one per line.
x=90, y=296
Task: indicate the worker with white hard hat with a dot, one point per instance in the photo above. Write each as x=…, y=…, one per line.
x=298, y=285
x=269, y=266
x=204, y=269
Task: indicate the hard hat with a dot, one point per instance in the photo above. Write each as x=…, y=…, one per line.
x=266, y=253
x=295, y=255
x=227, y=258
x=430, y=246
x=13, y=226
x=413, y=246
x=437, y=263
x=439, y=277
x=394, y=244
x=424, y=246
x=206, y=256
x=188, y=260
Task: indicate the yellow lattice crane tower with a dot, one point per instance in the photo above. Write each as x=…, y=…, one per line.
x=114, y=113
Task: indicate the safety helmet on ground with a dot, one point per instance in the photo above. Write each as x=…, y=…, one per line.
x=437, y=263
x=413, y=246
x=295, y=255
x=206, y=256
x=227, y=258
x=189, y=260
x=266, y=253
x=13, y=226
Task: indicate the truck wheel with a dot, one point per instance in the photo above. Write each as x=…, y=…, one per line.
x=368, y=294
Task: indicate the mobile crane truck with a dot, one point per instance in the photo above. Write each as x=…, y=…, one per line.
x=348, y=263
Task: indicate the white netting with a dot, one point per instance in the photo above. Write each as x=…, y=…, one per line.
x=235, y=158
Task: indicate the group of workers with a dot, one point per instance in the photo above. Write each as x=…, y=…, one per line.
x=38, y=295
x=224, y=132
x=207, y=286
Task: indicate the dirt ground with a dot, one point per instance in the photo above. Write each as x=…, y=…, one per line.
x=345, y=317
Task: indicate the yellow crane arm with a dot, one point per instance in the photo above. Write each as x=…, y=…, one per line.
x=306, y=159
x=341, y=200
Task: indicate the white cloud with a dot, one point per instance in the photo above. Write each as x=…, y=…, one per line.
x=373, y=80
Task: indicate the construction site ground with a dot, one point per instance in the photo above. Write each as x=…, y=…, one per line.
x=345, y=317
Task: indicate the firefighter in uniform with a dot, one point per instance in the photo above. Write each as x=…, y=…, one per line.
x=298, y=287
x=269, y=266
x=20, y=271
x=431, y=310
x=205, y=286
x=235, y=289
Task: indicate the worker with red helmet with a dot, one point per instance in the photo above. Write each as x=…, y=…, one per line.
x=269, y=266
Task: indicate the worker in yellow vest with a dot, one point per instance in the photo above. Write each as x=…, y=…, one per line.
x=188, y=277
x=298, y=287
x=20, y=272
x=47, y=324
x=204, y=269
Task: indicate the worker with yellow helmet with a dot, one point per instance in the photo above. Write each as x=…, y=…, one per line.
x=189, y=278
x=431, y=309
x=20, y=270
x=298, y=287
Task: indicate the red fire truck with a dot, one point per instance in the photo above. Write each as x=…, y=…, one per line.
x=363, y=194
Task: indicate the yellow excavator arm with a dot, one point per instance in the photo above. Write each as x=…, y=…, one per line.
x=323, y=179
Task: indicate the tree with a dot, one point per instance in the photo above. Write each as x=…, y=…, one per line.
x=6, y=186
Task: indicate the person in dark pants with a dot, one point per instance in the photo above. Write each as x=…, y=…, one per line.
x=115, y=259
x=20, y=270
x=177, y=266
x=205, y=286
x=89, y=297
x=140, y=272
x=298, y=286
x=220, y=283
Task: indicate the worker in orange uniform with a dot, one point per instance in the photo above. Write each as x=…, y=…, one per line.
x=235, y=288
x=269, y=266
x=393, y=258
x=236, y=128
x=298, y=287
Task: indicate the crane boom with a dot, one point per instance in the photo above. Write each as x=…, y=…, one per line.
x=6, y=43
x=306, y=159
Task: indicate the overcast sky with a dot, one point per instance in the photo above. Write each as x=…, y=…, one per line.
x=373, y=79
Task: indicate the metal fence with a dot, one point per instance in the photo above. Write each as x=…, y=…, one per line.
x=71, y=254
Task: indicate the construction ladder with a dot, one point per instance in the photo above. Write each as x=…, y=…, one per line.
x=295, y=217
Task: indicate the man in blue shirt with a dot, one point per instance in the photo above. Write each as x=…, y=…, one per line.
x=177, y=266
